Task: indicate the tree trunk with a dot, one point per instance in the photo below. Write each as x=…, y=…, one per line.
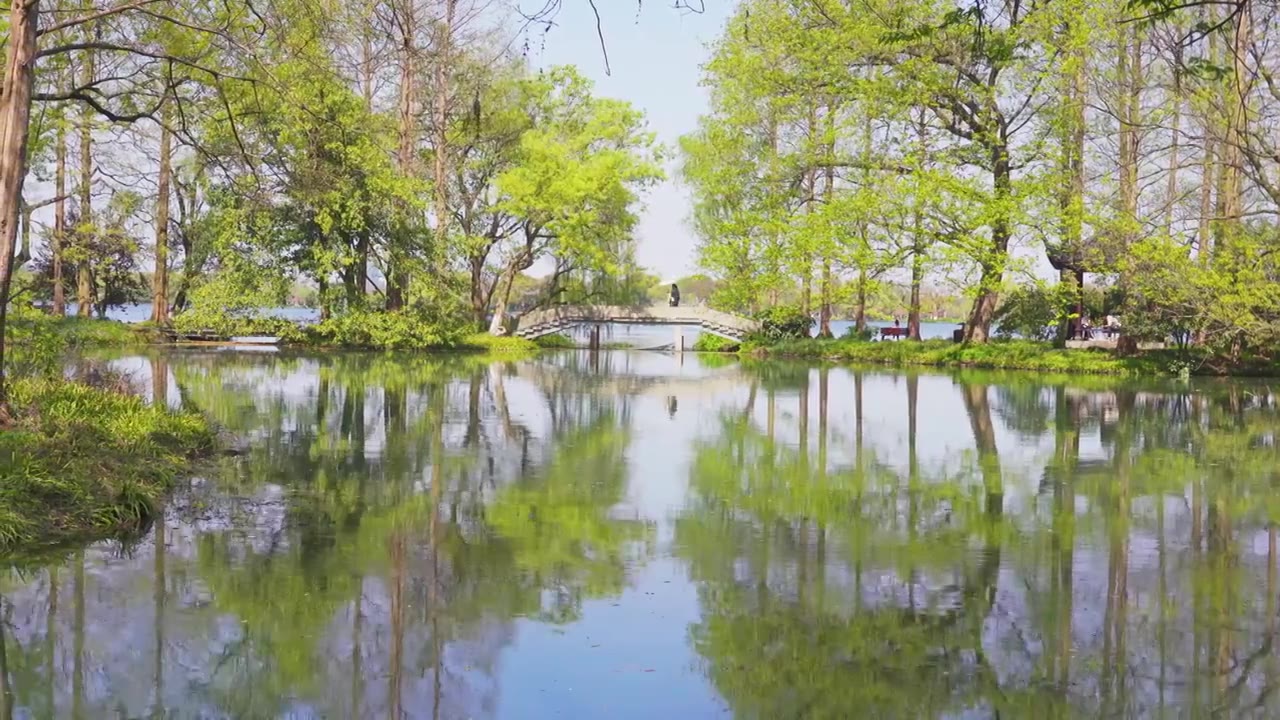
x=362, y=267
x=24, y=250
x=1175, y=99
x=322, y=289
x=1236, y=102
x=1204, y=230
x=824, y=322
x=15, y=126
x=978, y=328
x=917, y=279
x=919, y=246
x=188, y=264
x=1072, y=199
x=500, y=310
x=59, y=219
x=160, y=278
x=479, y=298
x=1066, y=329
x=84, y=275
x=1204, y=235
x=824, y=312
x=809, y=187
x=1130, y=117
x=860, y=311
x=441, y=120
x=397, y=272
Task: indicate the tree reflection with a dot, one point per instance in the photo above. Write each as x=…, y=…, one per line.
x=385, y=513
x=910, y=594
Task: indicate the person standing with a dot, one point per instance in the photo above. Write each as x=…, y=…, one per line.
x=674, y=298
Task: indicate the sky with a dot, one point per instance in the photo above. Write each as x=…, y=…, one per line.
x=656, y=54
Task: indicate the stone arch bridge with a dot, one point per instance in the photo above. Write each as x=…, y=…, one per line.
x=556, y=319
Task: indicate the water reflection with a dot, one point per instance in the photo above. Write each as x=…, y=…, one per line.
x=628, y=535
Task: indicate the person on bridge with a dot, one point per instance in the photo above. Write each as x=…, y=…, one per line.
x=674, y=298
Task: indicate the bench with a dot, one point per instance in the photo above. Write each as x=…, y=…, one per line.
x=892, y=332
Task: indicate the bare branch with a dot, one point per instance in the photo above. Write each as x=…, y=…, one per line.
x=600, y=34
x=108, y=12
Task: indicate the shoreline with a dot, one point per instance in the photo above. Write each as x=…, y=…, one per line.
x=1020, y=355
x=85, y=462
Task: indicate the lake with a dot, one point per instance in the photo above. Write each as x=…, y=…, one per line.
x=634, y=336
x=643, y=535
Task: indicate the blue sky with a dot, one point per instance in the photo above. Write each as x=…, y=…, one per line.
x=656, y=55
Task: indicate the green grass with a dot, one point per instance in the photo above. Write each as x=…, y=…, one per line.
x=76, y=331
x=1010, y=355
x=84, y=462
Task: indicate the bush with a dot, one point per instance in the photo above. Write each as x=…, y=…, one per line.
x=1000, y=355
x=1034, y=312
x=498, y=345
x=230, y=324
x=707, y=342
x=555, y=341
x=37, y=342
x=33, y=345
x=384, y=331
x=782, y=322
x=853, y=334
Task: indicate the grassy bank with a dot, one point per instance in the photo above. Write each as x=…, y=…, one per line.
x=81, y=462
x=27, y=325
x=1010, y=355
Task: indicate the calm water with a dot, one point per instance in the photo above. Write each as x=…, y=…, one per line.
x=635, y=336
x=643, y=536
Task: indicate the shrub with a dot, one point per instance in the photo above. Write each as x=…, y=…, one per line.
x=384, y=331
x=37, y=342
x=555, y=341
x=1033, y=312
x=236, y=323
x=34, y=347
x=783, y=322
x=707, y=342
x=853, y=334
x=498, y=345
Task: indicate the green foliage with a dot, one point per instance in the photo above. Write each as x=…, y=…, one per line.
x=84, y=460
x=384, y=331
x=1002, y=355
x=1033, y=312
x=1232, y=303
x=707, y=342
x=783, y=322
x=33, y=344
x=36, y=343
x=853, y=334
x=498, y=345
x=556, y=341
x=234, y=302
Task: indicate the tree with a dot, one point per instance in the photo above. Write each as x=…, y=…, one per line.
x=42, y=32
x=573, y=188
